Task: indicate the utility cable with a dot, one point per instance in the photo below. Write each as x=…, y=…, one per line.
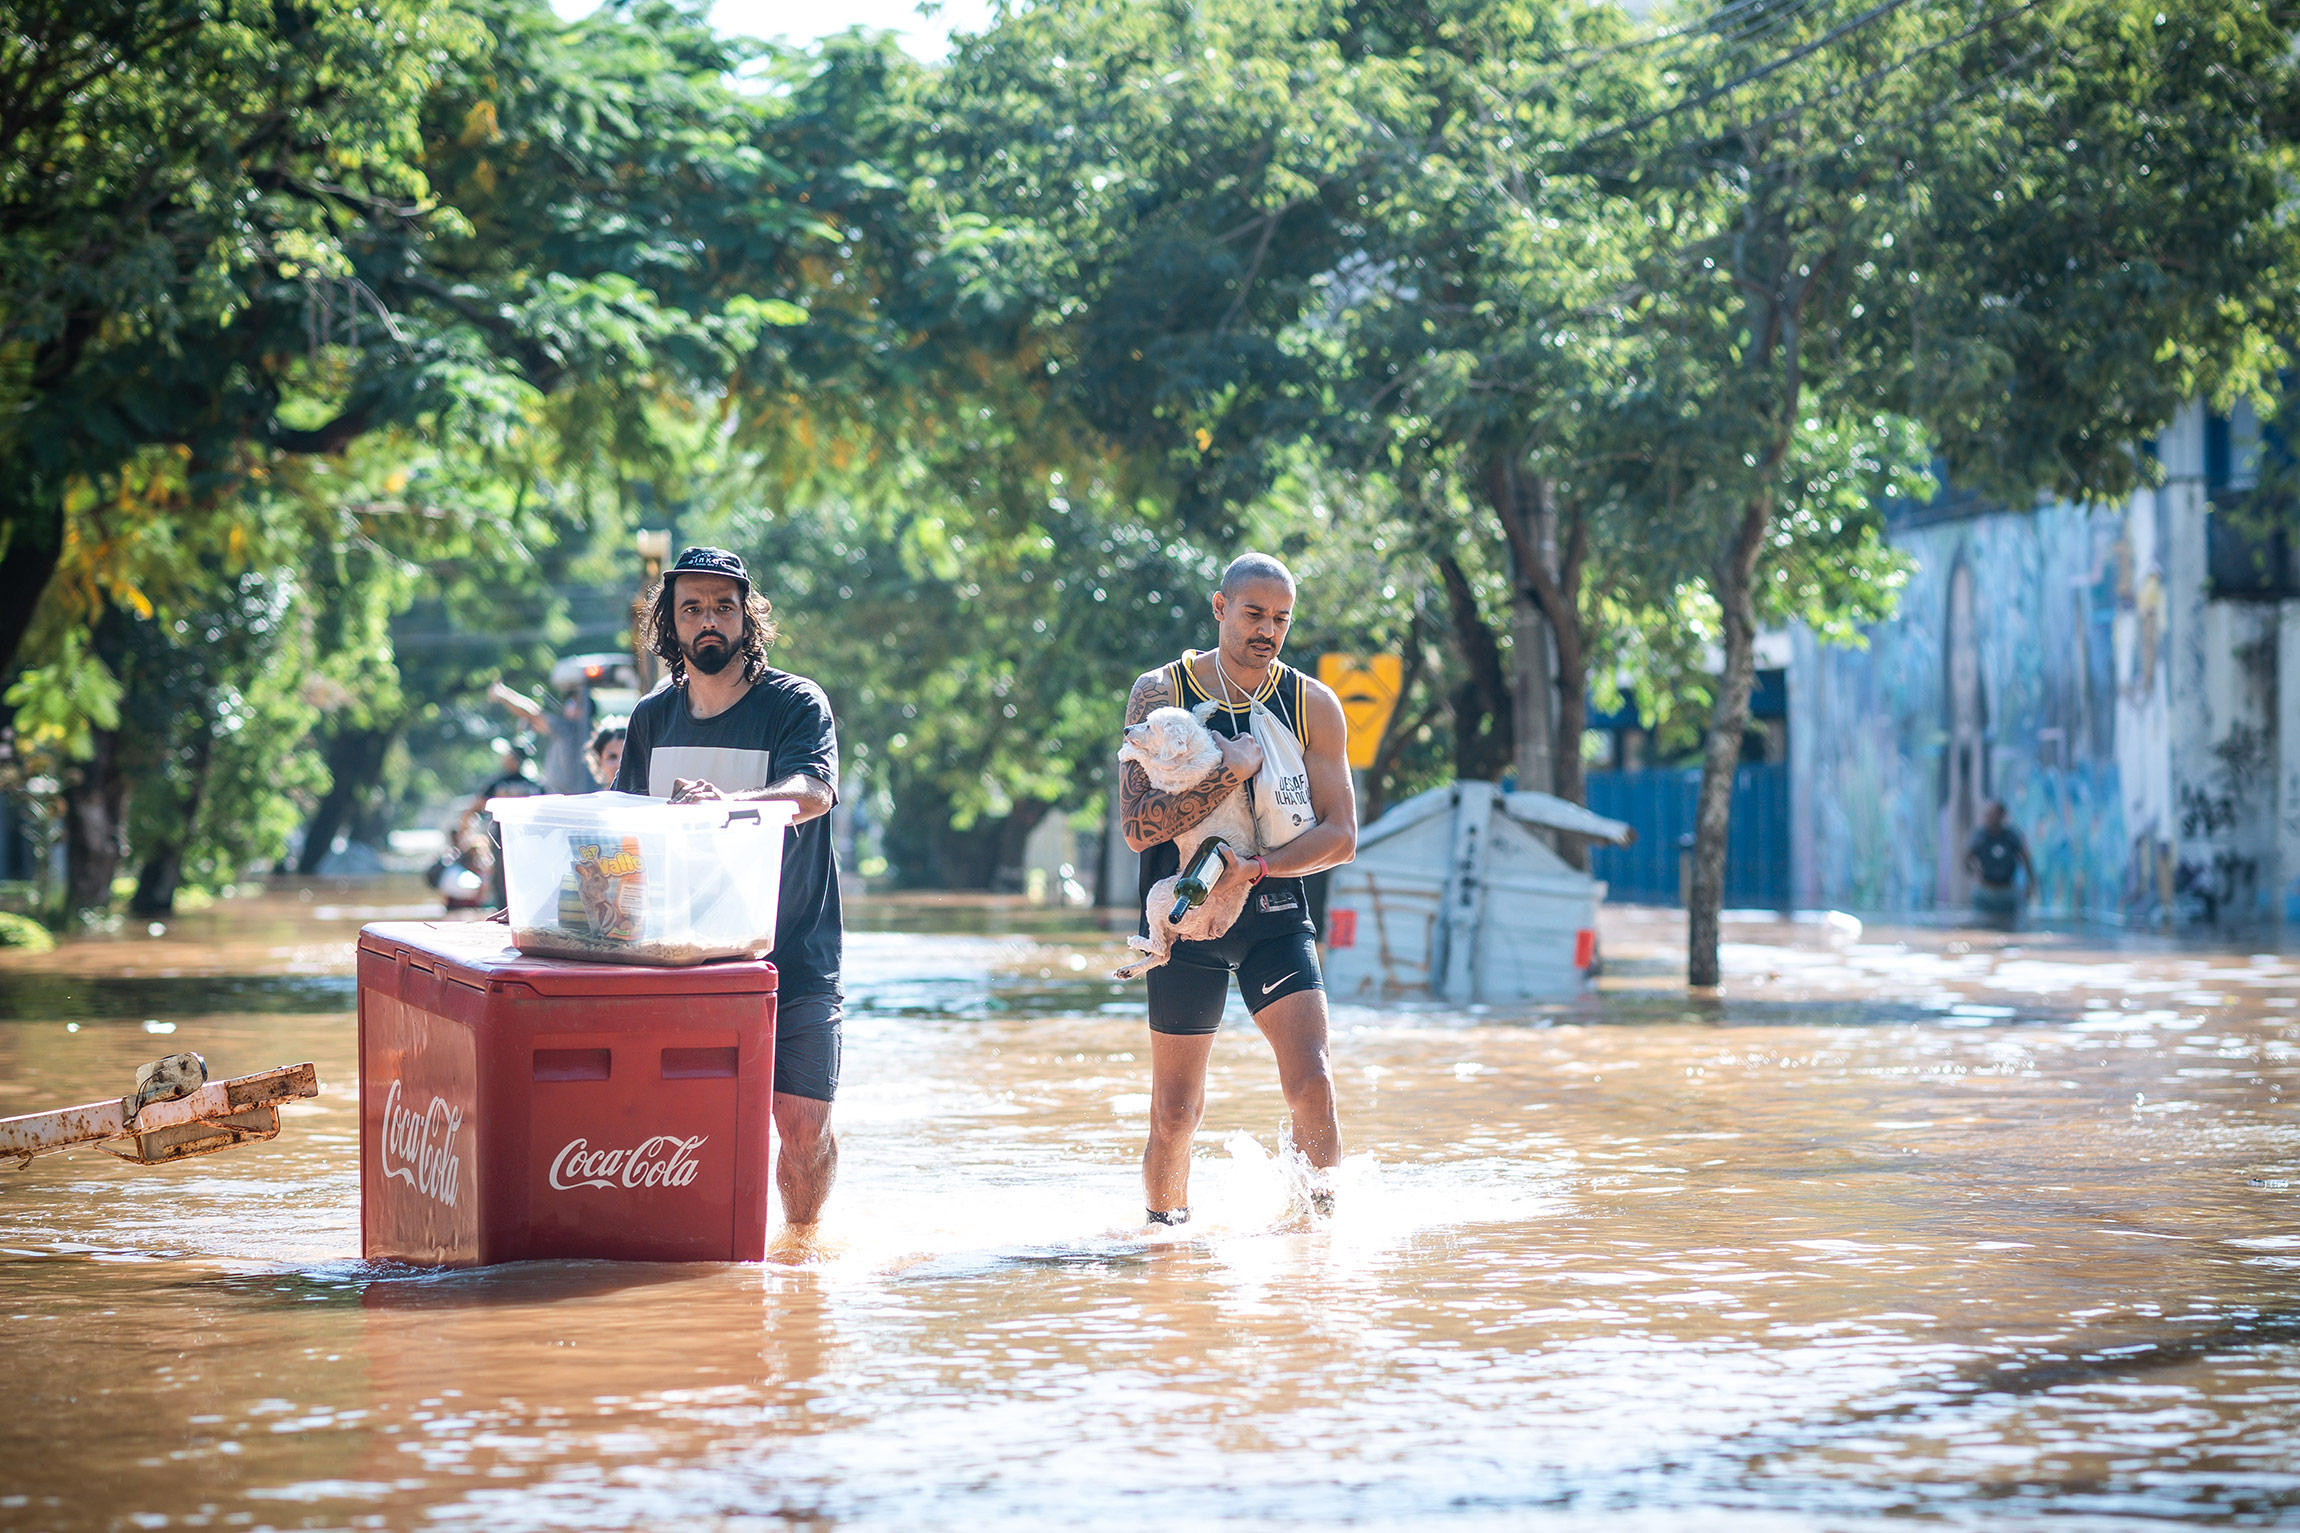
x=1873, y=14
x=1770, y=16
x=1883, y=72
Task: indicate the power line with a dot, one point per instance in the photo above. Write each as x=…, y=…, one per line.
x=1700, y=99
x=1769, y=12
x=1727, y=22
x=1881, y=73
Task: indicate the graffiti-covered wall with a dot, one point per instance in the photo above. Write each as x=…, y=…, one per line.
x=2068, y=662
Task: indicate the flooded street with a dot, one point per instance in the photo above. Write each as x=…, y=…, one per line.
x=1977, y=1231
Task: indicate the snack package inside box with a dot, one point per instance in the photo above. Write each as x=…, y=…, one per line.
x=605, y=893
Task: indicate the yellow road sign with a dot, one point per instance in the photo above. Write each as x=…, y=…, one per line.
x=1368, y=686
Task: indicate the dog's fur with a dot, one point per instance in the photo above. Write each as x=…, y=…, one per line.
x=1176, y=751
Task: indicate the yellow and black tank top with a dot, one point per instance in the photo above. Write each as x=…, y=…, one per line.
x=1276, y=903
x=1281, y=693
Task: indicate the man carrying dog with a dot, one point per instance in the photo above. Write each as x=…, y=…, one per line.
x=730, y=726
x=1271, y=947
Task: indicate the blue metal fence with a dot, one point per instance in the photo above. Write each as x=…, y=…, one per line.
x=1660, y=805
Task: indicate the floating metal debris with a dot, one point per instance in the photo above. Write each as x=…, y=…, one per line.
x=174, y=1113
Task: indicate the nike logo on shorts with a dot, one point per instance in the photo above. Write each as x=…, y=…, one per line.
x=1281, y=979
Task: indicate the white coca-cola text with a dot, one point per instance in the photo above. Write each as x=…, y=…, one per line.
x=419, y=1148
x=663, y=1161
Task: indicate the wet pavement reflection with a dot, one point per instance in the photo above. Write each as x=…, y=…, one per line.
x=1982, y=1230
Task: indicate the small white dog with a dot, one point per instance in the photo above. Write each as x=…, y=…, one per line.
x=1177, y=751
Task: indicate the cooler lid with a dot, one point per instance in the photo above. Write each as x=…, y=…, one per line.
x=480, y=953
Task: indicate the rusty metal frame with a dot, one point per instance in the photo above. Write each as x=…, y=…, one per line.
x=217, y=1116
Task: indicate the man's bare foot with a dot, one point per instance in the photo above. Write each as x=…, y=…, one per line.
x=796, y=1245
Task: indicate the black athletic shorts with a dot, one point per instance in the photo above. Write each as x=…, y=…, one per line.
x=1187, y=992
x=807, y=1044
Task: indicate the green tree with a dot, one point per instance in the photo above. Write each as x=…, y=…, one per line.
x=164, y=171
x=176, y=688
x=247, y=237
x=1481, y=354
x=978, y=672
x=1158, y=189
x=2032, y=233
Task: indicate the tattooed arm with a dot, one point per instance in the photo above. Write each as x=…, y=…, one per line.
x=1148, y=816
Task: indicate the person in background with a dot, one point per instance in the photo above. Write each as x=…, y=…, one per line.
x=477, y=846
x=561, y=729
x=1996, y=857
x=606, y=753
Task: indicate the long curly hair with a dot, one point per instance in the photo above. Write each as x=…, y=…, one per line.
x=655, y=615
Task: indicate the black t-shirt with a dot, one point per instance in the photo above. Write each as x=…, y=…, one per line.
x=1998, y=852
x=782, y=725
x=510, y=785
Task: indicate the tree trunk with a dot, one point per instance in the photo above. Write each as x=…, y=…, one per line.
x=1520, y=501
x=1402, y=726
x=928, y=852
x=95, y=795
x=1484, y=732
x=354, y=764
x=163, y=870
x=1552, y=673
x=1011, y=841
x=1774, y=322
x=1533, y=695
x=31, y=541
x=157, y=881
x=1572, y=784
x=1736, y=593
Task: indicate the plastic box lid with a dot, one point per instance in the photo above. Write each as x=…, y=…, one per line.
x=589, y=811
x=654, y=883
x=482, y=955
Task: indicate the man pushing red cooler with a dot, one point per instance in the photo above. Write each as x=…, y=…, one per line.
x=730, y=726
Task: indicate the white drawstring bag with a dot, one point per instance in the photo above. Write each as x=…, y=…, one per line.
x=1280, y=792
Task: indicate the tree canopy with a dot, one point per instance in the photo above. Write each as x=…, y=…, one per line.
x=344, y=348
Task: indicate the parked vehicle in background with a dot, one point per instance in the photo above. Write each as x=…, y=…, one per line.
x=589, y=688
x=603, y=686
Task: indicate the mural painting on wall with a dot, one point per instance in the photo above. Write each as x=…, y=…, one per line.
x=1965, y=759
x=2143, y=714
x=2008, y=674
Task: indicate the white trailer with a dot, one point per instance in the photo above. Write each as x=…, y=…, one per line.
x=1455, y=896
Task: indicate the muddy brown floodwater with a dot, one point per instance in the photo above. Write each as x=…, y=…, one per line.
x=1972, y=1231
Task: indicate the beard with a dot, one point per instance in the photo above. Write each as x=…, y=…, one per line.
x=708, y=654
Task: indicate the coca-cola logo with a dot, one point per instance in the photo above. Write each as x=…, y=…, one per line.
x=418, y=1147
x=663, y=1161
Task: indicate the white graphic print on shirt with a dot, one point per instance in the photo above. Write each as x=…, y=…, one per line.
x=722, y=766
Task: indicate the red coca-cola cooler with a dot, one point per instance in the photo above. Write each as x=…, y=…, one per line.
x=514, y=1107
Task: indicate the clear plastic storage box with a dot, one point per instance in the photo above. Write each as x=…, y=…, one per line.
x=623, y=878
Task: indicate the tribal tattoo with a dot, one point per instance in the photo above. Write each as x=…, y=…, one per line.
x=1146, y=815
